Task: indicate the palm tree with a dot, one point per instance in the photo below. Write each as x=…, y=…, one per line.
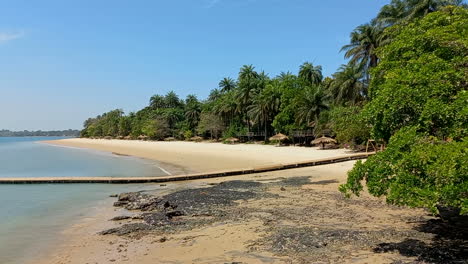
x=157, y=101
x=265, y=105
x=310, y=104
x=401, y=11
x=348, y=85
x=227, y=107
x=227, y=84
x=365, y=40
x=247, y=82
x=392, y=13
x=192, y=110
x=310, y=73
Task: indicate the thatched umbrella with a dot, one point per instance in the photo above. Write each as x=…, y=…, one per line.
x=196, y=138
x=323, y=140
x=169, y=139
x=142, y=137
x=278, y=137
x=232, y=140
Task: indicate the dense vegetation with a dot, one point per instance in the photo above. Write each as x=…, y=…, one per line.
x=40, y=133
x=405, y=86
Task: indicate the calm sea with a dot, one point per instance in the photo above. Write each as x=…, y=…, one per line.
x=32, y=216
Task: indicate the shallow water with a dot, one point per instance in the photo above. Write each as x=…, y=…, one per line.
x=32, y=216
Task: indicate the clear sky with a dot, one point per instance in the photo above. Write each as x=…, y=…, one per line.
x=64, y=61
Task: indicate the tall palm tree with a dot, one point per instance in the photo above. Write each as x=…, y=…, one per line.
x=310, y=104
x=347, y=85
x=365, y=40
x=310, y=73
x=227, y=107
x=248, y=85
x=192, y=110
x=265, y=105
x=227, y=84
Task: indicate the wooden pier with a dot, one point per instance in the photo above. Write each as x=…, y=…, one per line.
x=159, y=179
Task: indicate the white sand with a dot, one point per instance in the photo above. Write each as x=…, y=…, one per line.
x=204, y=157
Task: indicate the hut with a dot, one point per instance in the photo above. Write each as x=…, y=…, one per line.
x=232, y=140
x=127, y=137
x=323, y=140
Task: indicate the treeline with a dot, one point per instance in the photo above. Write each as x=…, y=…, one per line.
x=253, y=102
x=40, y=133
x=405, y=86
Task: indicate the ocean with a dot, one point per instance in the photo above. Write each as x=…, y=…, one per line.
x=32, y=216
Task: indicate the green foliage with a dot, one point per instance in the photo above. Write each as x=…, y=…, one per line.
x=422, y=77
x=156, y=128
x=420, y=103
x=348, y=125
x=415, y=170
x=188, y=134
x=210, y=123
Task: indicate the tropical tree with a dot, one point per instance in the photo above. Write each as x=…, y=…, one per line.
x=265, y=105
x=248, y=85
x=309, y=104
x=192, y=110
x=311, y=74
x=347, y=85
x=403, y=11
x=227, y=84
x=419, y=106
x=362, y=49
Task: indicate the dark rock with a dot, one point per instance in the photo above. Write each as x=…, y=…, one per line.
x=172, y=214
x=283, y=189
x=120, y=203
x=121, y=217
x=163, y=239
x=127, y=229
x=113, y=195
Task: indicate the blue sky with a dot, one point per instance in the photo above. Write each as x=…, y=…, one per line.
x=63, y=61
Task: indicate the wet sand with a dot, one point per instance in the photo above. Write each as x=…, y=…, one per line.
x=297, y=216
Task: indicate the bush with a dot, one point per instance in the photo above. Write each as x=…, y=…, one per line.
x=415, y=170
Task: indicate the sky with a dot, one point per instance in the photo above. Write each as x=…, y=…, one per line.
x=62, y=61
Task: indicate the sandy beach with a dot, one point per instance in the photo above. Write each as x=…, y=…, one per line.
x=204, y=156
x=292, y=216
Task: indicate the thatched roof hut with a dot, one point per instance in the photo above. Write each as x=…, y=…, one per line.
x=128, y=137
x=323, y=140
x=278, y=137
x=232, y=140
x=196, y=139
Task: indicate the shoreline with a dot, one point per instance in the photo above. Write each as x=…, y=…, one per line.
x=291, y=202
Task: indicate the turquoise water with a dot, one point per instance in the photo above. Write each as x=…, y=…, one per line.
x=32, y=216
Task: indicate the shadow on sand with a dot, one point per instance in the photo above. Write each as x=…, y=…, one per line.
x=449, y=244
